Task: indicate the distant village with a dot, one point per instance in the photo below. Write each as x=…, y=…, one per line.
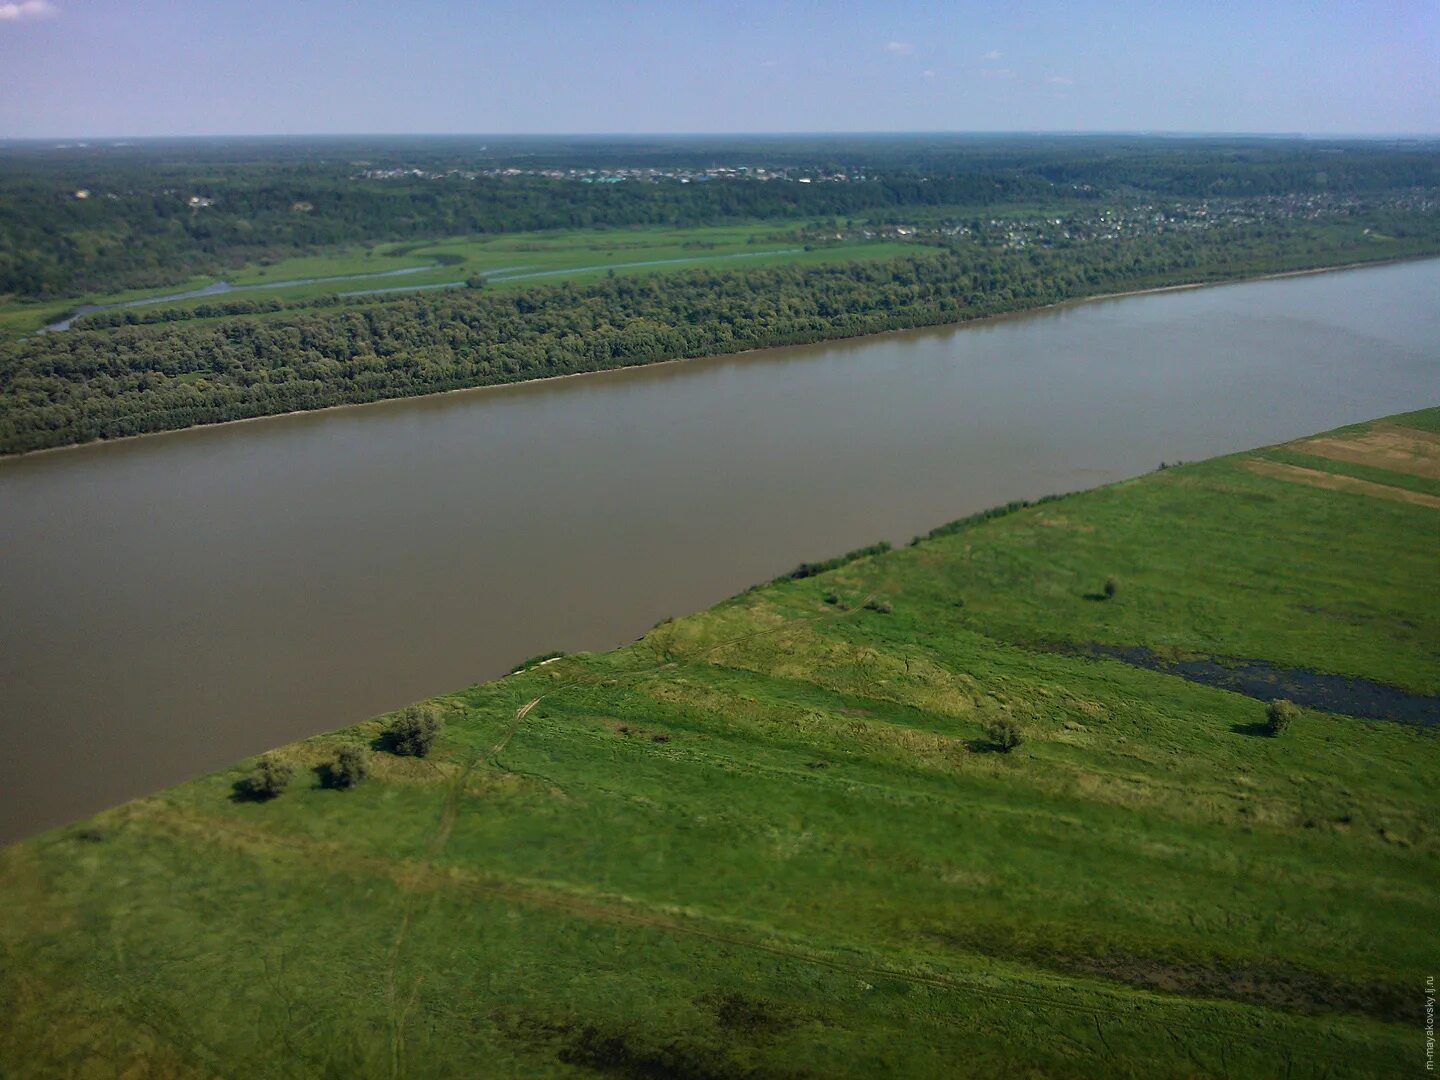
x=633, y=173
x=1115, y=223
x=1088, y=222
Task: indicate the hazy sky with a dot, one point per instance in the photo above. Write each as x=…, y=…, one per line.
x=103, y=67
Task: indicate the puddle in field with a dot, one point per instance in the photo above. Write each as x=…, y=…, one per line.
x=1310, y=689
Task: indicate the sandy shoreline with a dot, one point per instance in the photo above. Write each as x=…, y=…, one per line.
x=1210, y=284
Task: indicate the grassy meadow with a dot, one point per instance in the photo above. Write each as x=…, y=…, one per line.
x=507, y=260
x=777, y=838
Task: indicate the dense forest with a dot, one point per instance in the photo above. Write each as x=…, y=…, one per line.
x=91, y=384
x=80, y=218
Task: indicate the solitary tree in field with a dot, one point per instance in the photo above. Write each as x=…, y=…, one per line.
x=1112, y=588
x=351, y=765
x=270, y=777
x=1279, y=715
x=414, y=731
x=1004, y=734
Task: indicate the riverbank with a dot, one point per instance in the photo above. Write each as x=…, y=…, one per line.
x=977, y=321
x=784, y=835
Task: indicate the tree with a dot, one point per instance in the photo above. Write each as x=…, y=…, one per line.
x=269, y=778
x=1279, y=715
x=351, y=765
x=1004, y=734
x=1112, y=588
x=414, y=731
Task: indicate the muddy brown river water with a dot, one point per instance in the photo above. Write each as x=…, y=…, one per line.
x=173, y=603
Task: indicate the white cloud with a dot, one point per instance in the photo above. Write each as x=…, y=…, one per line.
x=899, y=48
x=997, y=73
x=1060, y=80
x=928, y=74
x=992, y=56
x=26, y=9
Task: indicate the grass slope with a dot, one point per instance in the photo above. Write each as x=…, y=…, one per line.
x=771, y=839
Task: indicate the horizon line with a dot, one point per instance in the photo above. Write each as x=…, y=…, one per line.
x=797, y=133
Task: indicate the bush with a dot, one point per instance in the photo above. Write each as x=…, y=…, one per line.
x=810, y=569
x=270, y=777
x=414, y=731
x=1112, y=588
x=1279, y=715
x=351, y=765
x=950, y=528
x=540, y=658
x=881, y=606
x=1004, y=734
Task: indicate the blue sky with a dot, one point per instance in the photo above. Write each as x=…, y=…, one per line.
x=71, y=68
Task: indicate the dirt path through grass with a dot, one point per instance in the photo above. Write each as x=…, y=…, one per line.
x=1336, y=482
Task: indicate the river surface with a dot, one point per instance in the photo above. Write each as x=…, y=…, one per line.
x=171, y=604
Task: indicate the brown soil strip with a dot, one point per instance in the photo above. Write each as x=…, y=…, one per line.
x=1398, y=449
x=1335, y=482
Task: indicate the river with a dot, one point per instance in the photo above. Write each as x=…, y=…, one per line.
x=174, y=603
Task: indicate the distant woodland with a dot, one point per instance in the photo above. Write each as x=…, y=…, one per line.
x=158, y=212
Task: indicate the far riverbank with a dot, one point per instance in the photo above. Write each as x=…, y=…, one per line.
x=1209, y=282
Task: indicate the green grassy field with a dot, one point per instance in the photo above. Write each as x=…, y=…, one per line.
x=774, y=840
x=512, y=260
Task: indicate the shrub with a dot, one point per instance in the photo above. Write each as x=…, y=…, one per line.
x=881, y=606
x=832, y=598
x=270, y=777
x=810, y=569
x=1004, y=734
x=964, y=523
x=1112, y=588
x=1279, y=715
x=351, y=765
x=540, y=658
x=414, y=731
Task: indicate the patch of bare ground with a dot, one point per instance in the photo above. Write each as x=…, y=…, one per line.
x=1399, y=449
x=101, y=1037
x=1286, y=987
x=605, y=1049
x=1060, y=521
x=858, y=729
x=1335, y=482
x=1277, y=986
x=844, y=668
x=751, y=1018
